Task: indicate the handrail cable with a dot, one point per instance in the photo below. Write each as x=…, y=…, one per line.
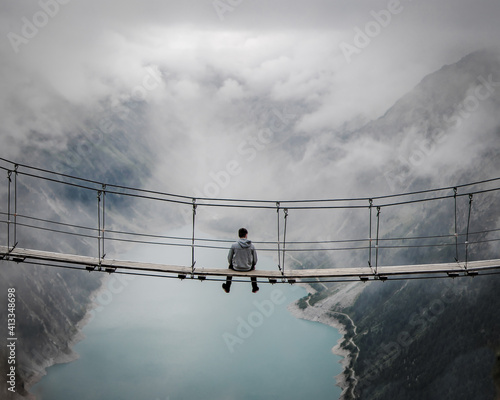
x=224, y=205
x=222, y=279
x=265, y=249
x=186, y=198
x=228, y=240
x=102, y=189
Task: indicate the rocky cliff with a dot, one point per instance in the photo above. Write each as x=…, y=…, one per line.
x=432, y=339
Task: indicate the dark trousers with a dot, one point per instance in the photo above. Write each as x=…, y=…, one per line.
x=229, y=279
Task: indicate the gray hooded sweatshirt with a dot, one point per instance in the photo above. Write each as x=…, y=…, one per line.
x=242, y=255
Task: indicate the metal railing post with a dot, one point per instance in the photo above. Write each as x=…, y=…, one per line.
x=467, y=234
x=193, y=261
x=376, y=243
x=370, y=236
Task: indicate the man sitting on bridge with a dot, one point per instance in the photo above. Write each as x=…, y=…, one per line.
x=242, y=257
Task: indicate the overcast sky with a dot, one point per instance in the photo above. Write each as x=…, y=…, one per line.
x=212, y=72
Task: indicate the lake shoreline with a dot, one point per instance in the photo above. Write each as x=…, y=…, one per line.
x=317, y=313
x=340, y=379
x=321, y=312
x=66, y=357
x=209, y=343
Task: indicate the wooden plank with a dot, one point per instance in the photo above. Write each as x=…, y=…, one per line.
x=352, y=272
x=49, y=256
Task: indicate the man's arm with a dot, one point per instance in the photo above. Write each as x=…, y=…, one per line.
x=254, y=255
x=230, y=257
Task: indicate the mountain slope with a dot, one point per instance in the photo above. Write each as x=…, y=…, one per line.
x=433, y=339
x=51, y=302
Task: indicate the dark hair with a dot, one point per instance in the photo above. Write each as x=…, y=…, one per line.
x=242, y=232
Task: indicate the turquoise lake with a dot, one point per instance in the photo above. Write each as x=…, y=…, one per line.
x=166, y=339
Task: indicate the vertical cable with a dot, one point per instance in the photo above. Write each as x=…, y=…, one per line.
x=284, y=240
x=376, y=243
x=279, y=249
x=370, y=240
x=193, y=262
x=15, y=205
x=9, y=173
x=99, y=225
x=456, y=229
x=467, y=234
x=103, y=218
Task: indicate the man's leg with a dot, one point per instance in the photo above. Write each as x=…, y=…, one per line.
x=255, y=288
x=227, y=286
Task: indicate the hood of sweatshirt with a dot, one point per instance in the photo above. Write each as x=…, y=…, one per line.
x=244, y=243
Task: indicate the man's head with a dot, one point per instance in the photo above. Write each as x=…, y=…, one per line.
x=242, y=233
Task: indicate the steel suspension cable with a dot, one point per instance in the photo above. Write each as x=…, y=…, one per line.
x=370, y=235
x=467, y=234
x=285, y=211
x=15, y=204
x=246, y=204
x=185, y=198
x=376, y=245
x=198, y=239
x=9, y=182
x=99, y=224
x=288, y=249
x=193, y=262
x=456, y=231
x=103, y=219
x=316, y=280
x=278, y=242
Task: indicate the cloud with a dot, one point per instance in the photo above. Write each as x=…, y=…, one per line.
x=261, y=96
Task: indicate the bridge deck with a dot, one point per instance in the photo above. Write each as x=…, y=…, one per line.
x=19, y=254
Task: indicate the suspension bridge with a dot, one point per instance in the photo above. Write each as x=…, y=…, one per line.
x=20, y=213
